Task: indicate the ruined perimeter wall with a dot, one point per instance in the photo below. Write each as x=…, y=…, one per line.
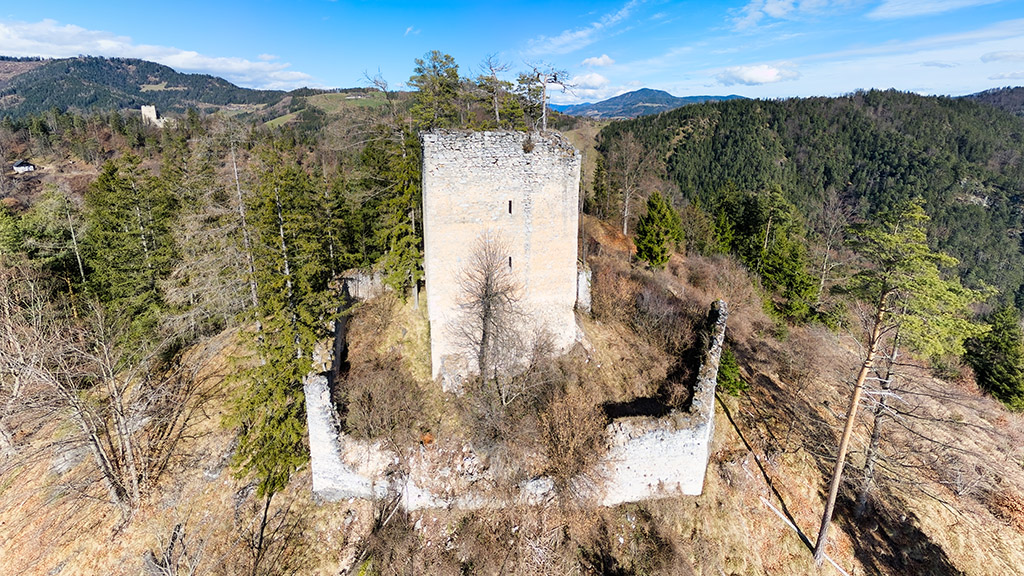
x=519, y=188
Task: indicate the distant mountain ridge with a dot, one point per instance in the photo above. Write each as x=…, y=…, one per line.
x=637, y=103
x=94, y=84
x=1008, y=98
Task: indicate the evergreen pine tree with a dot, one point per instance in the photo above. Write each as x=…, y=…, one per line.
x=998, y=358
x=10, y=235
x=293, y=277
x=600, y=203
x=904, y=283
x=655, y=230
x=129, y=246
x=436, y=79
x=399, y=233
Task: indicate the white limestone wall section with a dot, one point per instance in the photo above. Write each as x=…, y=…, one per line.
x=333, y=480
x=521, y=188
x=655, y=458
x=659, y=457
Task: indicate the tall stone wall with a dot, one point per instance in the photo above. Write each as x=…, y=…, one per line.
x=520, y=189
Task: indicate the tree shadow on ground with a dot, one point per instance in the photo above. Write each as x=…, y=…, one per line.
x=887, y=541
x=890, y=542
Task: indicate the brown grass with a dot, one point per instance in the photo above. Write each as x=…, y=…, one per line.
x=950, y=501
x=51, y=523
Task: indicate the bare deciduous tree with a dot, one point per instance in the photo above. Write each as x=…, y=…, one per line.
x=831, y=223
x=489, y=304
x=631, y=166
x=129, y=411
x=492, y=85
x=542, y=76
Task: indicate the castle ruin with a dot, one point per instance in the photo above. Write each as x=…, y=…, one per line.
x=520, y=190
x=149, y=116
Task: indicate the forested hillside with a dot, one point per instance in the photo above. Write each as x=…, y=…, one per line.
x=92, y=84
x=1009, y=99
x=164, y=291
x=869, y=150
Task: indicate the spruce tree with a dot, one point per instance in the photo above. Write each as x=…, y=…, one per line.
x=400, y=230
x=600, y=203
x=292, y=272
x=129, y=247
x=998, y=358
x=655, y=230
x=10, y=234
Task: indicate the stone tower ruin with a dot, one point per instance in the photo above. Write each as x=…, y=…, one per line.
x=516, y=187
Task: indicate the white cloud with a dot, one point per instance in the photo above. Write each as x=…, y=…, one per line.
x=598, y=61
x=268, y=57
x=909, y=8
x=935, y=64
x=411, y=30
x=572, y=40
x=51, y=39
x=1007, y=55
x=778, y=8
x=1008, y=76
x=757, y=10
x=757, y=74
x=589, y=81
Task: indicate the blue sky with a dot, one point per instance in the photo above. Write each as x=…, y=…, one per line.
x=755, y=48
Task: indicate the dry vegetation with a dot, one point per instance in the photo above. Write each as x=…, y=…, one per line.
x=949, y=499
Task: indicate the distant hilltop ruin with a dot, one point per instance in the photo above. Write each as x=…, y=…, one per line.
x=515, y=193
x=149, y=116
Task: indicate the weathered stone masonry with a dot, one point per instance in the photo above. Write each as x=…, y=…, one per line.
x=521, y=188
x=647, y=457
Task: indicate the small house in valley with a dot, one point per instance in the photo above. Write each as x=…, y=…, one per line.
x=22, y=166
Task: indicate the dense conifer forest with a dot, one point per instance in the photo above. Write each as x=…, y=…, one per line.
x=865, y=152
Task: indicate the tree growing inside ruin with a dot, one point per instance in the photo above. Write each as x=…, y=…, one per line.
x=537, y=83
x=489, y=307
x=494, y=88
x=909, y=296
x=657, y=232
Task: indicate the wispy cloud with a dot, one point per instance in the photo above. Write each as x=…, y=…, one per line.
x=572, y=40
x=411, y=30
x=935, y=64
x=1004, y=55
x=1008, y=76
x=51, y=39
x=598, y=61
x=909, y=8
x=757, y=74
x=757, y=11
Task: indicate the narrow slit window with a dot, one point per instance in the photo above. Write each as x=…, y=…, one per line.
x=509, y=206
x=509, y=261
